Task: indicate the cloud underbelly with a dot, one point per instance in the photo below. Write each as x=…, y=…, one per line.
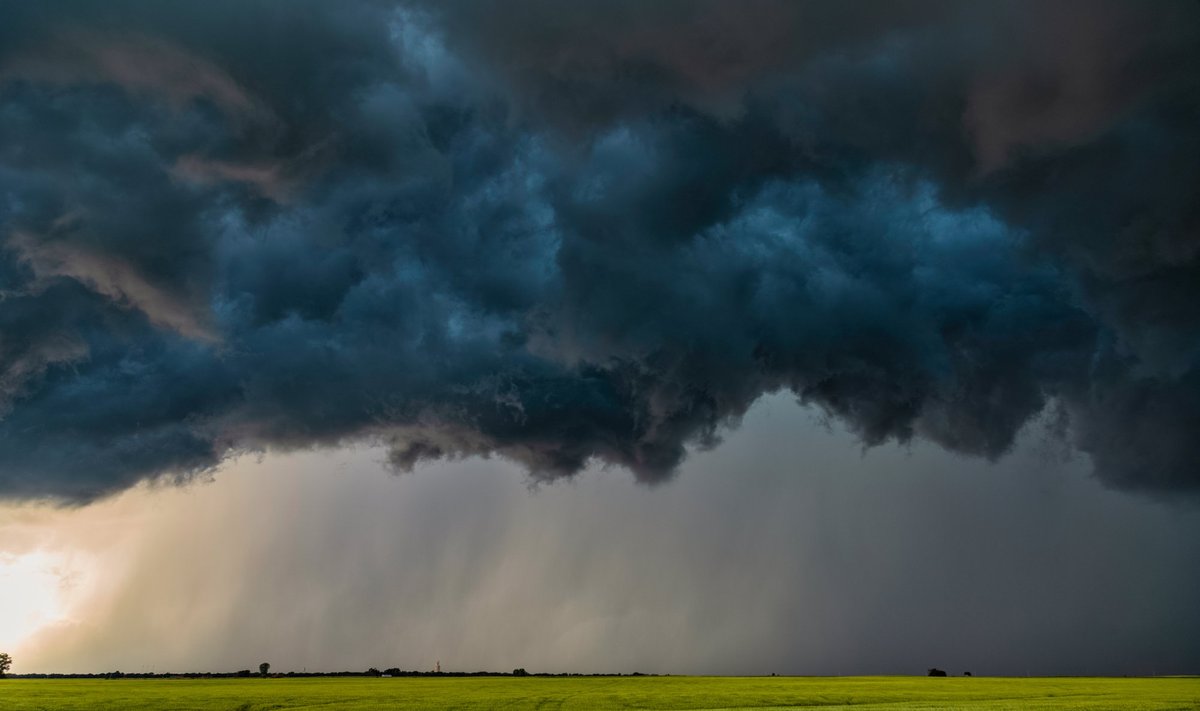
x=404, y=239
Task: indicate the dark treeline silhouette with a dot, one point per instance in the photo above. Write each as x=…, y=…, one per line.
x=246, y=673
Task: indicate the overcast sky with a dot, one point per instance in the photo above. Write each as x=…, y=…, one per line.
x=831, y=337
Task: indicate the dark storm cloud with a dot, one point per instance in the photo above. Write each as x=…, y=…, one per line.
x=564, y=232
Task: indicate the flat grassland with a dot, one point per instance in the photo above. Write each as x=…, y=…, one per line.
x=599, y=693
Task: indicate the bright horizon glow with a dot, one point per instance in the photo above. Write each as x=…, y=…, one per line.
x=35, y=589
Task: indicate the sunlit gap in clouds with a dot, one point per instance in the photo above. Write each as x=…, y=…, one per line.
x=40, y=590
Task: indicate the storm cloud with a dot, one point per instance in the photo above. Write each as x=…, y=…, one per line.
x=592, y=232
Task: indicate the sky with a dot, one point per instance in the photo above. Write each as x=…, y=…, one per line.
x=684, y=337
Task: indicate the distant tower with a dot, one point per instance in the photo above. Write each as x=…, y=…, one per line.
x=439, y=666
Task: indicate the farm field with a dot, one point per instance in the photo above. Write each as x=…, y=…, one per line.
x=599, y=693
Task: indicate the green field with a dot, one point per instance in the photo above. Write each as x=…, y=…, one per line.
x=675, y=692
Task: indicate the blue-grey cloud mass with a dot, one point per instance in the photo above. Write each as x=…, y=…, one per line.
x=566, y=233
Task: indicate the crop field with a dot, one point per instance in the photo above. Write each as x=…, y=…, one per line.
x=674, y=692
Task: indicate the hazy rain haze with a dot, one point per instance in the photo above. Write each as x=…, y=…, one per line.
x=814, y=558
x=674, y=337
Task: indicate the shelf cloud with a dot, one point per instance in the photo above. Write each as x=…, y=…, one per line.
x=592, y=232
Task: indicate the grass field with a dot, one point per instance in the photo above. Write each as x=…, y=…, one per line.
x=891, y=693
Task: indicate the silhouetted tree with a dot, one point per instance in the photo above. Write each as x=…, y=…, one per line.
x=520, y=672
x=5, y=662
x=264, y=668
x=936, y=672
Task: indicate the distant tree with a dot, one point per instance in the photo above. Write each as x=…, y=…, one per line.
x=936, y=672
x=520, y=672
x=264, y=668
x=243, y=672
x=5, y=663
x=373, y=672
